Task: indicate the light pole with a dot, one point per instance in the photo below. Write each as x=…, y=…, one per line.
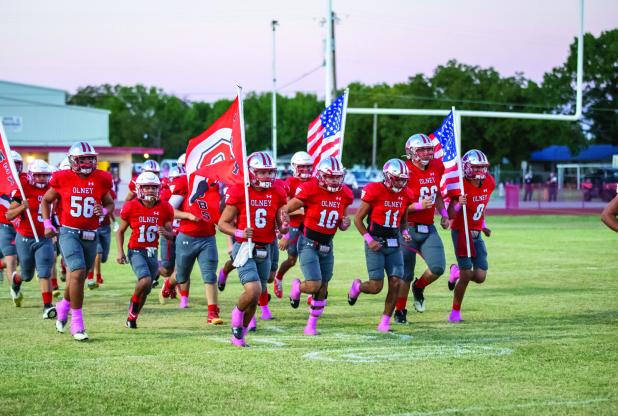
x=274, y=24
x=328, y=54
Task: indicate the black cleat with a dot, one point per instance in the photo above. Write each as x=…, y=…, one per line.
x=131, y=324
x=419, y=298
x=294, y=303
x=237, y=332
x=451, y=286
x=401, y=317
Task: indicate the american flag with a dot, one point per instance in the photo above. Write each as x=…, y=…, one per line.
x=445, y=149
x=324, y=136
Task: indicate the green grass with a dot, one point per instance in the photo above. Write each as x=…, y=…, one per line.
x=539, y=337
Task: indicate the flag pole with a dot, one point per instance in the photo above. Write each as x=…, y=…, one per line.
x=345, y=110
x=457, y=129
x=6, y=146
x=244, y=160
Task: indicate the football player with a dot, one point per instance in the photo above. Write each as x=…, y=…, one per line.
x=83, y=192
x=7, y=230
x=325, y=200
x=33, y=255
x=609, y=214
x=266, y=204
x=148, y=166
x=302, y=169
x=104, y=236
x=148, y=218
x=386, y=204
x=478, y=186
x=424, y=185
x=196, y=241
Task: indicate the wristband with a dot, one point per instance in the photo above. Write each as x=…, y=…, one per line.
x=239, y=234
x=417, y=206
x=405, y=233
x=483, y=224
x=457, y=207
x=368, y=238
x=444, y=212
x=286, y=236
x=105, y=211
x=48, y=224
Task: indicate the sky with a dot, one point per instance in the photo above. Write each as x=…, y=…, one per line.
x=200, y=49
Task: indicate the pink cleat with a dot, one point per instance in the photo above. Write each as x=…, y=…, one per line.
x=311, y=328
x=266, y=315
x=354, y=291
x=385, y=324
x=221, y=280
x=295, y=293
x=238, y=333
x=252, y=324
x=184, y=302
x=455, y=316
x=453, y=277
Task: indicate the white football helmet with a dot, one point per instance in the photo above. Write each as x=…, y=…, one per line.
x=302, y=165
x=182, y=160
x=419, y=149
x=65, y=164
x=19, y=162
x=396, y=175
x=262, y=170
x=151, y=166
x=39, y=173
x=475, y=164
x=176, y=171
x=330, y=174
x=82, y=158
x=148, y=186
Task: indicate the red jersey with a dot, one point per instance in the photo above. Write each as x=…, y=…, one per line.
x=477, y=200
x=323, y=209
x=206, y=208
x=179, y=185
x=165, y=192
x=78, y=196
x=34, y=196
x=387, y=207
x=145, y=222
x=423, y=183
x=263, y=207
x=292, y=184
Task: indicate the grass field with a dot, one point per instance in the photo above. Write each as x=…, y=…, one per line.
x=539, y=337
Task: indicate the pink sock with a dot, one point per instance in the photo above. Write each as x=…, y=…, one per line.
x=312, y=322
x=386, y=320
x=62, y=308
x=237, y=317
x=77, y=321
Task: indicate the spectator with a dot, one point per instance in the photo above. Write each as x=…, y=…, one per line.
x=528, y=186
x=552, y=187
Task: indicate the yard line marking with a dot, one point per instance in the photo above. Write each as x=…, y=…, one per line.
x=474, y=409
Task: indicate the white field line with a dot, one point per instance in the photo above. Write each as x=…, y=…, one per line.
x=403, y=353
x=476, y=409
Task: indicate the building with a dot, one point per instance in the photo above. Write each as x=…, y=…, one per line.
x=40, y=125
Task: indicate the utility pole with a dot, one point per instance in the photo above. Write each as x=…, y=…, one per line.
x=328, y=55
x=274, y=24
x=333, y=45
x=375, y=138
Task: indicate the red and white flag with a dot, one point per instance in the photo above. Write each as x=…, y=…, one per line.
x=8, y=174
x=325, y=133
x=9, y=178
x=217, y=153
